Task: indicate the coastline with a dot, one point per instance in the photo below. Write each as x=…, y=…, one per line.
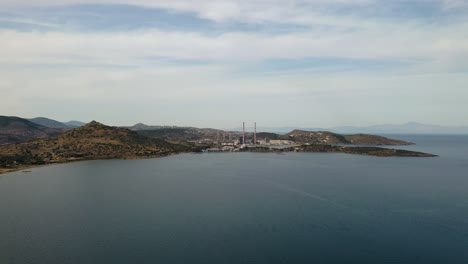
x=382, y=153
x=96, y=141
x=4, y=171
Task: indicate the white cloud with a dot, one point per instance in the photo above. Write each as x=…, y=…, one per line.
x=399, y=42
x=38, y=76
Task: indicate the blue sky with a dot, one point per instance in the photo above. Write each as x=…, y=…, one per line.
x=313, y=63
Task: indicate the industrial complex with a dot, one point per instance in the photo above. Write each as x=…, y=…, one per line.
x=234, y=141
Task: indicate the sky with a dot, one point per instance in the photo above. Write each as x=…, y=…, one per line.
x=206, y=63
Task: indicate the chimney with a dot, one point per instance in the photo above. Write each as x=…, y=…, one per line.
x=255, y=133
x=243, y=132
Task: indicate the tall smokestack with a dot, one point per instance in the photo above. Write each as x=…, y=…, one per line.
x=243, y=132
x=255, y=133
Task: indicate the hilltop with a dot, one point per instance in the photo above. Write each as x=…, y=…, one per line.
x=15, y=130
x=329, y=138
x=184, y=134
x=47, y=122
x=92, y=141
x=74, y=123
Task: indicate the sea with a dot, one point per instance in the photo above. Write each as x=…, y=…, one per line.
x=255, y=208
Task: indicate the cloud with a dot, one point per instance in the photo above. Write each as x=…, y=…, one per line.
x=454, y=4
x=300, y=12
x=138, y=48
x=179, y=75
x=330, y=33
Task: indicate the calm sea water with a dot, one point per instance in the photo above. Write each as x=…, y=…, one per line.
x=242, y=208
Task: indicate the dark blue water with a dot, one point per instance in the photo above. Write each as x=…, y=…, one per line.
x=243, y=208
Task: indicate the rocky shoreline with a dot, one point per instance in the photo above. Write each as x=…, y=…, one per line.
x=367, y=151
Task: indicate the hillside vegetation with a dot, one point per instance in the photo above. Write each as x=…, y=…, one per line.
x=329, y=138
x=92, y=141
x=15, y=130
x=47, y=122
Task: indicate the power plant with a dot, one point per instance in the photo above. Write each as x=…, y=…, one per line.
x=240, y=141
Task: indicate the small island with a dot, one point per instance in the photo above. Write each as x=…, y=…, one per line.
x=96, y=141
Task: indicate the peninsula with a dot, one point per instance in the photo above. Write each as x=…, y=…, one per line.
x=95, y=141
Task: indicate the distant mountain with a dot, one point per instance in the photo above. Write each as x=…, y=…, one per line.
x=141, y=126
x=74, y=123
x=92, y=141
x=278, y=130
x=408, y=128
x=47, y=122
x=15, y=129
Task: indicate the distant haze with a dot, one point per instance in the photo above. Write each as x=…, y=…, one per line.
x=408, y=128
x=205, y=63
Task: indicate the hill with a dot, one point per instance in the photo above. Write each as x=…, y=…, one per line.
x=15, y=130
x=329, y=138
x=208, y=135
x=92, y=141
x=188, y=134
x=47, y=122
x=141, y=126
x=74, y=123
